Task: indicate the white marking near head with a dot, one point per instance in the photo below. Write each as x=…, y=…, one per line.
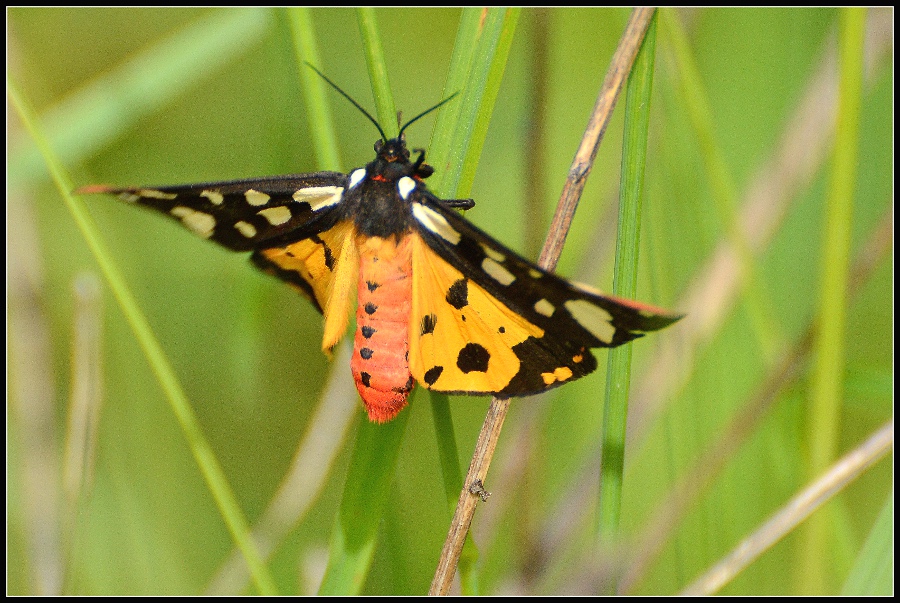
x=594, y=319
x=155, y=194
x=246, y=228
x=319, y=196
x=256, y=198
x=356, y=177
x=544, y=307
x=201, y=223
x=276, y=215
x=497, y=272
x=405, y=186
x=436, y=223
x=215, y=197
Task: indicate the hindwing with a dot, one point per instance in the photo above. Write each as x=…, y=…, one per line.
x=486, y=320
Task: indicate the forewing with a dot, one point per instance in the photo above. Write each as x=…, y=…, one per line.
x=244, y=214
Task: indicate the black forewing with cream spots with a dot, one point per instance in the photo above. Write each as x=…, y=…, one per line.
x=565, y=311
x=243, y=215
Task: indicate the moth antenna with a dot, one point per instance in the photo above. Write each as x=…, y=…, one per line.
x=427, y=111
x=355, y=104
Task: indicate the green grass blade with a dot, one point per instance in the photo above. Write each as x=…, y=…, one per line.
x=618, y=376
x=826, y=396
x=315, y=90
x=366, y=494
x=459, y=154
x=723, y=188
x=457, y=76
x=381, y=85
x=499, y=56
x=156, y=357
x=96, y=114
x=873, y=573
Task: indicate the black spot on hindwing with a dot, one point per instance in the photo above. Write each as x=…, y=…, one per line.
x=329, y=256
x=458, y=294
x=367, y=331
x=432, y=374
x=429, y=321
x=370, y=308
x=473, y=358
x=366, y=353
x=365, y=377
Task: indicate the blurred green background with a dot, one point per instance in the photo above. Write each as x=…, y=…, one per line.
x=226, y=103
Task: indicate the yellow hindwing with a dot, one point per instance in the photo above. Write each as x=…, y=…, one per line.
x=329, y=262
x=461, y=337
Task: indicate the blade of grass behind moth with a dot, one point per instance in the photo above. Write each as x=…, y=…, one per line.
x=92, y=116
x=203, y=453
x=722, y=183
x=826, y=391
x=377, y=446
x=476, y=107
x=315, y=90
x=490, y=431
x=457, y=75
x=873, y=569
x=618, y=373
x=381, y=85
x=479, y=58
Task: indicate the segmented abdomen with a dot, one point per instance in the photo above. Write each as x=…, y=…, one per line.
x=380, y=363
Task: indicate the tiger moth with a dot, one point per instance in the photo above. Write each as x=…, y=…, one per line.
x=439, y=302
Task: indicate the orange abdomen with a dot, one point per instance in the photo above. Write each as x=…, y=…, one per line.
x=380, y=363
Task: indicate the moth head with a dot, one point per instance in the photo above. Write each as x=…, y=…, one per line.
x=394, y=150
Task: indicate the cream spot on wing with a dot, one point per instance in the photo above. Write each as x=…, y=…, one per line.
x=276, y=215
x=319, y=196
x=405, y=186
x=535, y=274
x=246, y=229
x=256, y=198
x=356, y=177
x=493, y=253
x=201, y=223
x=594, y=319
x=215, y=197
x=129, y=197
x=544, y=307
x=560, y=374
x=497, y=272
x=150, y=193
x=436, y=223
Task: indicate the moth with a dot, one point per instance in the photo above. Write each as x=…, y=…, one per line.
x=439, y=302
